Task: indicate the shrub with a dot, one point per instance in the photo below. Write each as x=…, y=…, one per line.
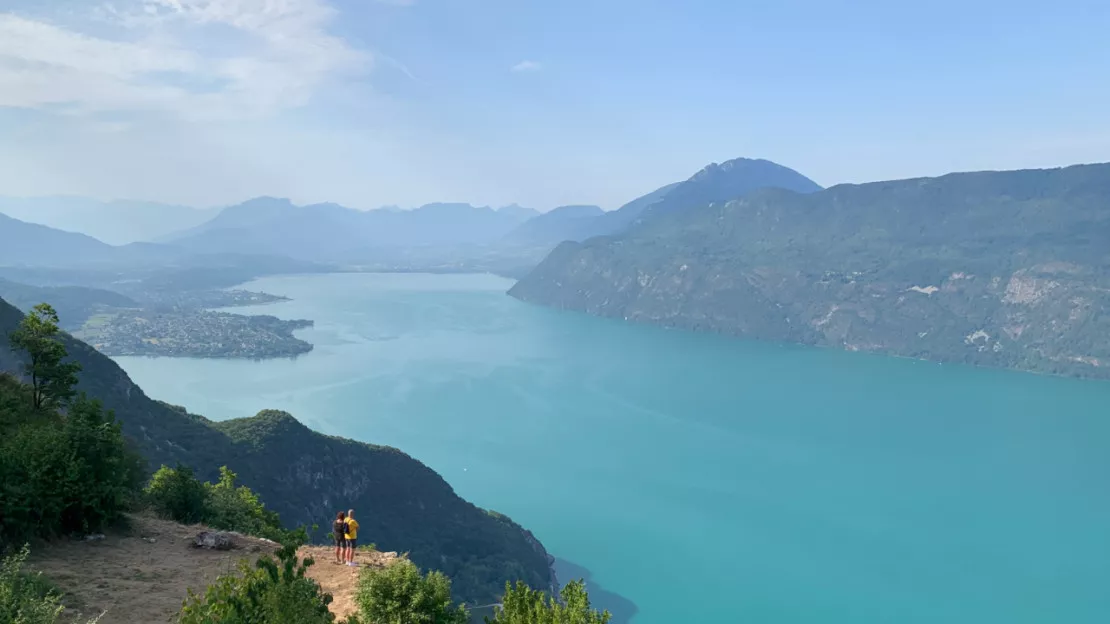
x=270, y=592
x=239, y=509
x=23, y=598
x=27, y=598
x=177, y=494
x=523, y=605
x=399, y=594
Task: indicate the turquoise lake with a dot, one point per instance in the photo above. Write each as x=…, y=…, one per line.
x=695, y=478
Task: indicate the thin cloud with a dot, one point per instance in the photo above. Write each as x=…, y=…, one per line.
x=274, y=55
x=398, y=65
x=526, y=66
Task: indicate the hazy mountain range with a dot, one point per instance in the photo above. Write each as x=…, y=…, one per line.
x=438, y=236
x=330, y=232
x=114, y=222
x=553, y=227
x=31, y=244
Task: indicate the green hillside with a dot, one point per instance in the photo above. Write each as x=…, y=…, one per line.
x=1008, y=269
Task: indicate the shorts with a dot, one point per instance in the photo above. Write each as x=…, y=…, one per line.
x=340, y=541
x=352, y=542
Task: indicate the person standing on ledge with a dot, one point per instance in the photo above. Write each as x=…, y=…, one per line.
x=352, y=537
x=339, y=532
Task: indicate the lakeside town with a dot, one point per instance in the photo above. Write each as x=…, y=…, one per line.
x=195, y=333
x=171, y=299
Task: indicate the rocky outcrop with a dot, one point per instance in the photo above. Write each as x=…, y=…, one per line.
x=214, y=540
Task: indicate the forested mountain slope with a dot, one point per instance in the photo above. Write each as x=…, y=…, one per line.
x=1004, y=269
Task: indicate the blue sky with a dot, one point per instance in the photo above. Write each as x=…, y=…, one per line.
x=372, y=102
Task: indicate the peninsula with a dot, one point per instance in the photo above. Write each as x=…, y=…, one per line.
x=197, y=333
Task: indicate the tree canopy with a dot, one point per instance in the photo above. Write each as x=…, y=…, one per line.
x=52, y=378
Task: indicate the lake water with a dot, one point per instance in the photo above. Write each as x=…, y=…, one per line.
x=698, y=479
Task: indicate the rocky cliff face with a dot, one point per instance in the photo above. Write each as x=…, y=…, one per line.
x=307, y=477
x=1004, y=269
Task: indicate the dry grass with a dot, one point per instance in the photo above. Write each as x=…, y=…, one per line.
x=139, y=574
x=142, y=574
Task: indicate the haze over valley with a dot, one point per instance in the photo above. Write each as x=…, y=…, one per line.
x=994, y=268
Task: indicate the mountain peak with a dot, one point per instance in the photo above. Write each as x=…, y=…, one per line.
x=747, y=166
x=731, y=164
x=733, y=179
x=449, y=207
x=518, y=211
x=265, y=201
x=279, y=419
x=576, y=211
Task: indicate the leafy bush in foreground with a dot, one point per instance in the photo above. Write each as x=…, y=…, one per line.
x=399, y=594
x=523, y=605
x=22, y=598
x=270, y=592
x=27, y=598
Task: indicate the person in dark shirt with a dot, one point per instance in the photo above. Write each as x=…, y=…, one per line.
x=339, y=532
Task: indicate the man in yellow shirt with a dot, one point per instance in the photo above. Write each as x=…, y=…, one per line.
x=352, y=537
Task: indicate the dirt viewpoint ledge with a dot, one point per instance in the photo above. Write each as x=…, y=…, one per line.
x=339, y=580
x=142, y=574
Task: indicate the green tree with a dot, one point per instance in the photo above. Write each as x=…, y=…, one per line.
x=71, y=473
x=52, y=378
x=399, y=594
x=15, y=402
x=270, y=592
x=177, y=494
x=105, y=472
x=524, y=605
